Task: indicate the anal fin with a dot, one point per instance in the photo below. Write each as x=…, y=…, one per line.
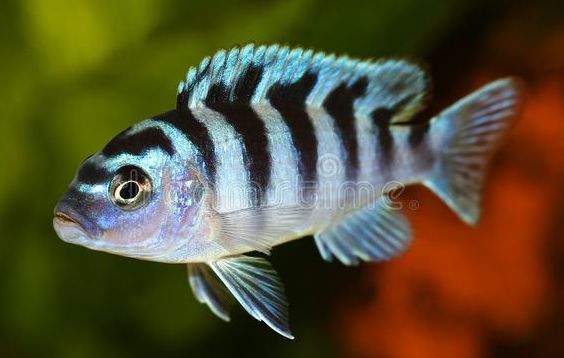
x=376, y=232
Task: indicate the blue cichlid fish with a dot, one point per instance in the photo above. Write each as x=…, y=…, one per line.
x=268, y=144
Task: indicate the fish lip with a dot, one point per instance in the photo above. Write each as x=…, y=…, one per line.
x=65, y=217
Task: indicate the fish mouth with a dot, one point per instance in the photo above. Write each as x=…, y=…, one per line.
x=64, y=219
x=71, y=226
x=67, y=220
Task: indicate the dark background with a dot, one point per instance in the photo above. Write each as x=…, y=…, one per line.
x=75, y=73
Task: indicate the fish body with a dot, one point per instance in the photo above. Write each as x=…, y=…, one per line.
x=268, y=144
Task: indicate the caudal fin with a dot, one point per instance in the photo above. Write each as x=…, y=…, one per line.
x=469, y=132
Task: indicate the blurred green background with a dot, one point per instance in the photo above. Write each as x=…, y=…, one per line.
x=75, y=73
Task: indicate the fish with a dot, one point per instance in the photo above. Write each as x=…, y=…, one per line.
x=268, y=144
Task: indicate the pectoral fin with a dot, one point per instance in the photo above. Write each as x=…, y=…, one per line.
x=258, y=229
x=256, y=286
x=376, y=232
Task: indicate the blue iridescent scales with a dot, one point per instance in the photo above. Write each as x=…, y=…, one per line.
x=268, y=144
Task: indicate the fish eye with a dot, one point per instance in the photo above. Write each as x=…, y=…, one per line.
x=130, y=188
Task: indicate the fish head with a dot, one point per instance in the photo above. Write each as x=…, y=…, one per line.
x=143, y=204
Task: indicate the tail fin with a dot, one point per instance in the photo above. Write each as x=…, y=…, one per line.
x=469, y=132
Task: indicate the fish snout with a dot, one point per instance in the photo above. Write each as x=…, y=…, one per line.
x=71, y=225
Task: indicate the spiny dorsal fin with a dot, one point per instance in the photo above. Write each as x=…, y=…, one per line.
x=392, y=84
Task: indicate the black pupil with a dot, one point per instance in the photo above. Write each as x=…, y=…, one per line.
x=129, y=190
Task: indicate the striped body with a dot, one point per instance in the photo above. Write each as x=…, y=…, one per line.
x=275, y=127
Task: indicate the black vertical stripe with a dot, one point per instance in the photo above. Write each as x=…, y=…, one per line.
x=138, y=142
x=416, y=134
x=239, y=113
x=339, y=104
x=183, y=119
x=90, y=173
x=382, y=118
x=290, y=101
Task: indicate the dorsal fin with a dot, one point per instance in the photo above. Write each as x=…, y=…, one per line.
x=386, y=83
